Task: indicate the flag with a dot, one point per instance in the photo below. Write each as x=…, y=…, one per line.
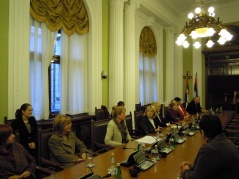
x=196, y=86
x=186, y=90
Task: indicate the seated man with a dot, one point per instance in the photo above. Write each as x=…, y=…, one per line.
x=194, y=106
x=218, y=158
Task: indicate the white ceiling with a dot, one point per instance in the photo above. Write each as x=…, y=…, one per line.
x=186, y=6
x=174, y=12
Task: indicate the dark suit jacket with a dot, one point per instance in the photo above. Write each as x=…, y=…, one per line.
x=25, y=136
x=218, y=159
x=145, y=125
x=193, y=108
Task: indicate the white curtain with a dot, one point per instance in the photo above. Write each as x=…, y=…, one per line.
x=41, y=51
x=147, y=78
x=73, y=74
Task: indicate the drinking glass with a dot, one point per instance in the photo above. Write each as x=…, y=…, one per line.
x=89, y=157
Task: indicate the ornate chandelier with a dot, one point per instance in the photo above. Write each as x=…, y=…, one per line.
x=203, y=25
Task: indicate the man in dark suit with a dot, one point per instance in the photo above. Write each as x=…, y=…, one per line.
x=194, y=106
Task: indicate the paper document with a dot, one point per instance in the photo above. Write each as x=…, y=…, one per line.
x=147, y=139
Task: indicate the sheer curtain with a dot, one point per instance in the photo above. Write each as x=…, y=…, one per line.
x=74, y=74
x=41, y=52
x=147, y=78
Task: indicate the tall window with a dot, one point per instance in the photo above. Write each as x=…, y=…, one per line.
x=147, y=67
x=54, y=78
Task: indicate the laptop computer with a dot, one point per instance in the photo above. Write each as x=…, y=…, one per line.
x=141, y=162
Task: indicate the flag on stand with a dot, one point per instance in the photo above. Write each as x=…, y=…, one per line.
x=186, y=91
x=196, y=86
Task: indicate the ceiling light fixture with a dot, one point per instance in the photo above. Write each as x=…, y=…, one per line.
x=203, y=25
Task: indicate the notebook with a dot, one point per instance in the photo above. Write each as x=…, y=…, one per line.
x=141, y=162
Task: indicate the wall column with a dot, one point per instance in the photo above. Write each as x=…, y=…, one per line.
x=170, y=66
x=130, y=56
x=116, y=65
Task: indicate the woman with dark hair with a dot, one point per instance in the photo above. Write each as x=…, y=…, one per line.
x=121, y=103
x=15, y=161
x=218, y=158
x=181, y=109
x=117, y=131
x=26, y=124
x=63, y=143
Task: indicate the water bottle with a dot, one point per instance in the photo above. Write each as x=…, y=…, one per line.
x=113, y=165
x=156, y=152
x=139, y=147
x=119, y=173
x=157, y=136
x=171, y=142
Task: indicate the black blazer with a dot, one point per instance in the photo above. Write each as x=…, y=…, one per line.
x=145, y=126
x=25, y=136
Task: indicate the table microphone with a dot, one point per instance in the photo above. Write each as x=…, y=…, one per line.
x=129, y=148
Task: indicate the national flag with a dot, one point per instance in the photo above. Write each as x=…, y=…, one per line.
x=186, y=90
x=196, y=86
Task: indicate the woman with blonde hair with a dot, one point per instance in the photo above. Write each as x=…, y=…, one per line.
x=63, y=143
x=117, y=132
x=149, y=124
x=159, y=116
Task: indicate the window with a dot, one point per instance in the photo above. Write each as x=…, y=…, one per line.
x=54, y=78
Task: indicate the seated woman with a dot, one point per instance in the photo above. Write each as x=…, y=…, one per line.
x=172, y=114
x=63, y=143
x=26, y=124
x=159, y=116
x=181, y=109
x=218, y=158
x=117, y=131
x=149, y=123
x=15, y=161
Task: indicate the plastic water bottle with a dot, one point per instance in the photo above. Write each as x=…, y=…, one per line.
x=113, y=165
x=156, y=153
x=139, y=147
x=171, y=142
x=119, y=173
x=157, y=136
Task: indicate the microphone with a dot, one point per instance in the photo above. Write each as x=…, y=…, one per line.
x=129, y=148
x=87, y=164
x=107, y=176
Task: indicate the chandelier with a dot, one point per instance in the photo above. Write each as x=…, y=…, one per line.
x=202, y=25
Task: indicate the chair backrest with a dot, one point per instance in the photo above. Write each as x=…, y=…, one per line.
x=137, y=118
x=128, y=120
x=138, y=107
x=100, y=114
x=43, y=138
x=98, y=131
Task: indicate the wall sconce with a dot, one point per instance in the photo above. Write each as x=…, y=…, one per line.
x=189, y=77
x=104, y=75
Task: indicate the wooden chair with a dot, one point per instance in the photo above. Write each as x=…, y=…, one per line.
x=137, y=118
x=138, y=107
x=98, y=131
x=43, y=150
x=101, y=113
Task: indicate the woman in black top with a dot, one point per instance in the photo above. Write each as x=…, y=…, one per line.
x=26, y=124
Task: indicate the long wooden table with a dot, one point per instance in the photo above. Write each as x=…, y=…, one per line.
x=166, y=168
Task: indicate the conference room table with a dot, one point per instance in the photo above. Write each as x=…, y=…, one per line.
x=165, y=168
